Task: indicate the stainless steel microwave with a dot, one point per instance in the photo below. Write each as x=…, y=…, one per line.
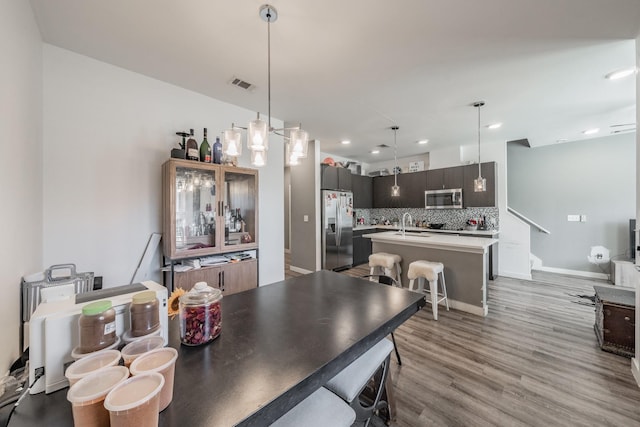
x=443, y=199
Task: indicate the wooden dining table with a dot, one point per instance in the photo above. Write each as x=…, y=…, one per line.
x=279, y=343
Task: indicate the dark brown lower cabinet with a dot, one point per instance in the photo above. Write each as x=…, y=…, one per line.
x=615, y=320
x=361, y=248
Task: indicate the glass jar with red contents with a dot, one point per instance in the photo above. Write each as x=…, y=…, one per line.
x=200, y=314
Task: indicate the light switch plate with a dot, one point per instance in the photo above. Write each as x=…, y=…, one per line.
x=305, y=218
x=573, y=218
x=583, y=218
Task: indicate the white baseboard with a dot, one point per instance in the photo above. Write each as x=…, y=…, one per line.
x=579, y=273
x=462, y=306
x=513, y=275
x=299, y=270
x=635, y=370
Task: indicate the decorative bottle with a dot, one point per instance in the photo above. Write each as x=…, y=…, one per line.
x=192, y=148
x=217, y=151
x=205, y=149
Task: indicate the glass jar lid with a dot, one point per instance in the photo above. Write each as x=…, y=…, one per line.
x=96, y=308
x=201, y=294
x=143, y=297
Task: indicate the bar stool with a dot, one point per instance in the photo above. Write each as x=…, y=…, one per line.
x=322, y=408
x=352, y=380
x=429, y=271
x=388, y=263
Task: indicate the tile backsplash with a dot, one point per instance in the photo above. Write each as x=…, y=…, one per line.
x=454, y=219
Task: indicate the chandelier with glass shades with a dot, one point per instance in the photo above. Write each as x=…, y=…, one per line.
x=258, y=130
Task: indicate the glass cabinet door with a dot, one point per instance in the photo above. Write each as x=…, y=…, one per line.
x=208, y=209
x=240, y=205
x=195, y=208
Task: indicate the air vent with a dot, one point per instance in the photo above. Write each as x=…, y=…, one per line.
x=382, y=146
x=241, y=84
x=623, y=128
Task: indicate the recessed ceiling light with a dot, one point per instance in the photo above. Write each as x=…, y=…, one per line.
x=494, y=126
x=591, y=131
x=375, y=152
x=620, y=74
x=423, y=141
x=345, y=142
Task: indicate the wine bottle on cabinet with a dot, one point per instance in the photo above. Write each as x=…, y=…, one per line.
x=192, y=148
x=205, y=149
x=217, y=151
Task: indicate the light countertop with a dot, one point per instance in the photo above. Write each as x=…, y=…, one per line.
x=429, y=239
x=488, y=233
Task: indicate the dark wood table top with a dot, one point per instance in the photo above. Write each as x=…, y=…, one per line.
x=279, y=343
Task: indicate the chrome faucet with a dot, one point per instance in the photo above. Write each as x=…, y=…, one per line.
x=404, y=228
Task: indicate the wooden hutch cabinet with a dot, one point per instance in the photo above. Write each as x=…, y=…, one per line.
x=210, y=214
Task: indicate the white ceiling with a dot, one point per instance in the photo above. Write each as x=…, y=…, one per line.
x=352, y=69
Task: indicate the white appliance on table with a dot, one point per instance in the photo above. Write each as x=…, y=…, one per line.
x=53, y=330
x=337, y=229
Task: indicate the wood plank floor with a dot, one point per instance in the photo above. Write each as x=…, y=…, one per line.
x=533, y=361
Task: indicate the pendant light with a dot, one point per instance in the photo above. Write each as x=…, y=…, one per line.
x=395, y=190
x=258, y=130
x=480, y=183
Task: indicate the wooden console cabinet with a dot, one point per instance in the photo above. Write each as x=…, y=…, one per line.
x=210, y=210
x=229, y=278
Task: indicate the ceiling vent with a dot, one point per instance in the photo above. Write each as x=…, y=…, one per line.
x=242, y=84
x=623, y=128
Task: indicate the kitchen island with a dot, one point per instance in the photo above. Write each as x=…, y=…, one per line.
x=465, y=259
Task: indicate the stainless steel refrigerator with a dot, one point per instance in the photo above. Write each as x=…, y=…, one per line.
x=337, y=229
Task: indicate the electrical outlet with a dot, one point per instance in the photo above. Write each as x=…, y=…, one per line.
x=305, y=218
x=583, y=218
x=573, y=218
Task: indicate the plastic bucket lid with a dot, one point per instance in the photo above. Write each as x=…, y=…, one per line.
x=154, y=361
x=91, y=363
x=96, y=385
x=128, y=338
x=77, y=355
x=143, y=297
x=141, y=346
x=134, y=392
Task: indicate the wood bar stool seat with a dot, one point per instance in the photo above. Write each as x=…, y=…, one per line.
x=352, y=380
x=389, y=264
x=427, y=270
x=321, y=409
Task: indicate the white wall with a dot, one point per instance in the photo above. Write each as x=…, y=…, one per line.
x=570, y=174
x=20, y=164
x=107, y=132
x=447, y=157
x=403, y=163
x=635, y=363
